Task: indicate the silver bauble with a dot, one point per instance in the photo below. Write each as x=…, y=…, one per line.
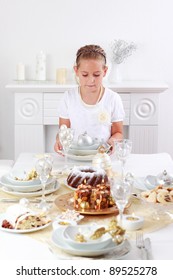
x=85, y=140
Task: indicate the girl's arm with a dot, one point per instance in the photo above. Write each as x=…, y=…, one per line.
x=116, y=132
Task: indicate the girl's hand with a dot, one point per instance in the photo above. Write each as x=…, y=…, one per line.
x=58, y=147
x=111, y=143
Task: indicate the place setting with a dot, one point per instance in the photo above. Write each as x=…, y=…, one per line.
x=90, y=241
x=30, y=183
x=81, y=149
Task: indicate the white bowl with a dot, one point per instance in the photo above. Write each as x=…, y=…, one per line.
x=70, y=233
x=21, y=179
x=82, y=152
x=94, y=146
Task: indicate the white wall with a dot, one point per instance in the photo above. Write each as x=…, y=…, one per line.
x=60, y=27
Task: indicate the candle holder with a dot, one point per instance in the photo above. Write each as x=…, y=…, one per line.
x=132, y=222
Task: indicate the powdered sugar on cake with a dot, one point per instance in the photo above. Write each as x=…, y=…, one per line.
x=86, y=174
x=21, y=217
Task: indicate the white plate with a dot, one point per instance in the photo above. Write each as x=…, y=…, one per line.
x=19, y=188
x=81, y=158
x=82, y=152
x=52, y=188
x=57, y=238
x=65, y=183
x=2, y=217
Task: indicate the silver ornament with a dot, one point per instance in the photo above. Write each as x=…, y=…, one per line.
x=85, y=140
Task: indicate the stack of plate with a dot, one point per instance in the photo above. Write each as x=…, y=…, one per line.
x=29, y=188
x=84, y=150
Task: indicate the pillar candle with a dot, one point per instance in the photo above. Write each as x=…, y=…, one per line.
x=20, y=71
x=41, y=66
x=61, y=75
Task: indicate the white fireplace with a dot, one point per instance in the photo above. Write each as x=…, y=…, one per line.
x=36, y=120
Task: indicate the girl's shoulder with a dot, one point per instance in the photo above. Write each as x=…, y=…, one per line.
x=71, y=93
x=111, y=94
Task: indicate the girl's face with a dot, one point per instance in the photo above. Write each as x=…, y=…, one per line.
x=90, y=73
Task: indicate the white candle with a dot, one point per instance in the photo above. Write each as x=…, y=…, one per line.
x=61, y=75
x=132, y=222
x=20, y=72
x=41, y=66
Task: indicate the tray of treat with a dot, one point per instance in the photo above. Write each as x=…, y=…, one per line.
x=67, y=201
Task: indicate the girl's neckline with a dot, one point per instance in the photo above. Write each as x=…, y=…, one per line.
x=98, y=99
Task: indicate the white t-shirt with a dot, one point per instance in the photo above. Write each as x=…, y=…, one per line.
x=95, y=119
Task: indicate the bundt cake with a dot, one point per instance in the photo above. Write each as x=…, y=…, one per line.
x=87, y=197
x=88, y=175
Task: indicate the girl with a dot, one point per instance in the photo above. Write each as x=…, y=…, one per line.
x=92, y=107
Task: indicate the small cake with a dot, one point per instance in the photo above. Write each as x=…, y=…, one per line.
x=82, y=196
x=87, y=197
x=85, y=174
x=101, y=197
x=23, y=218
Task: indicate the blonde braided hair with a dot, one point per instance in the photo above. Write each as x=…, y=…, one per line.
x=90, y=52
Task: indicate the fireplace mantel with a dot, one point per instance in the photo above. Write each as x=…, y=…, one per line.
x=36, y=106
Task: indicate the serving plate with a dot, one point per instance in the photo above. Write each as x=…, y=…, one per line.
x=58, y=240
x=3, y=216
x=66, y=201
x=66, y=184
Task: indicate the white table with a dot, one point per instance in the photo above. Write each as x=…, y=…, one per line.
x=14, y=246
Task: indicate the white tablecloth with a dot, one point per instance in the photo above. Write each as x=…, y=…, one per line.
x=15, y=246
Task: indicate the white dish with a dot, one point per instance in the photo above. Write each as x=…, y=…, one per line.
x=23, y=188
x=65, y=183
x=2, y=217
x=82, y=152
x=85, y=231
x=94, y=146
x=53, y=187
x=11, y=177
x=57, y=238
x=81, y=158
